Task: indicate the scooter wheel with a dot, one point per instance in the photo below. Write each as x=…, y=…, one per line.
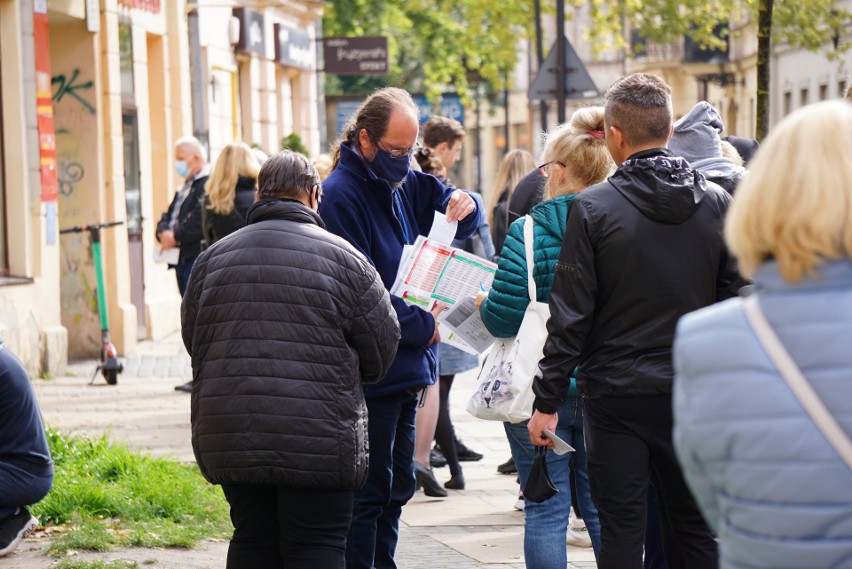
x=111, y=376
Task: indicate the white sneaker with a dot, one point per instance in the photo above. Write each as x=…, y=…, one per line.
x=578, y=534
x=519, y=505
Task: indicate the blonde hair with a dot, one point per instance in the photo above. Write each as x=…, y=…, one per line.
x=235, y=160
x=515, y=165
x=730, y=152
x=579, y=144
x=323, y=165
x=798, y=214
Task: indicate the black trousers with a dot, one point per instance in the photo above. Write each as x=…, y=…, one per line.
x=297, y=528
x=628, y=443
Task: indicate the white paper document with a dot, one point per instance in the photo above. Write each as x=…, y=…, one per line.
x=170, y=256
x=443, y=231
x=464, y=321
x=559, y=444
x=438, y=273
x=431, y=271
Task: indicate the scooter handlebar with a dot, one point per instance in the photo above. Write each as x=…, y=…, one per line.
x=89, y=227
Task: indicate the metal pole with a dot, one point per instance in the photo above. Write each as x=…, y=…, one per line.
x=508, y=126
x=560, y=61
x=320, y=76
x=197, y=80
x=478, y=140
x=539, y=53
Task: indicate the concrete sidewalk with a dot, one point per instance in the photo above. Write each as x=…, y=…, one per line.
x=472, y=528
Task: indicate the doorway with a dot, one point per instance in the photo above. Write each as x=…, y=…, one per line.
x=133, y=203
x=132, y=187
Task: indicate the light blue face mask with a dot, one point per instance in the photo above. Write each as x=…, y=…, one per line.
x=182, y=168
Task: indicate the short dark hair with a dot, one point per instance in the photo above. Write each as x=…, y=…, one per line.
x=442, y=129
x=640, y=105
x=288, y=174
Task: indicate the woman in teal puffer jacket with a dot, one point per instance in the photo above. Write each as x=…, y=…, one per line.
x=576, y=158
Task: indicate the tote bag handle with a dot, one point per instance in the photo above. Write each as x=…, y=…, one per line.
x=528, y=245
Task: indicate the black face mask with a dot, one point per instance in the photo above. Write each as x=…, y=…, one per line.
x=539, y=486
x=391, y=170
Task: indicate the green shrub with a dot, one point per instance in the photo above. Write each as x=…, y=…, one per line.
x=294, y=142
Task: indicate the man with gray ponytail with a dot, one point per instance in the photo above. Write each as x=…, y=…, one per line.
x=377, y=203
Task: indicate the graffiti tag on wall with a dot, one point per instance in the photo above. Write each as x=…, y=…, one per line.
x=70, y=87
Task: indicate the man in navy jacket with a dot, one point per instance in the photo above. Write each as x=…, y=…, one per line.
x=377, y=203
x=26, y=469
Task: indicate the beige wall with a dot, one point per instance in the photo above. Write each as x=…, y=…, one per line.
x=272, y=100
x=122, y=313
x=170, y=117
x=29, y=311
x=73, y=52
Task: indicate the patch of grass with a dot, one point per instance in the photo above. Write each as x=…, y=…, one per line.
x=112, y=496
x=78, y=564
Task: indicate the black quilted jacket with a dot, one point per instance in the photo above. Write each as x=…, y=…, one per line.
x=284, y=322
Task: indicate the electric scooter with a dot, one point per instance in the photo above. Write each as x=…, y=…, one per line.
x=110, y=366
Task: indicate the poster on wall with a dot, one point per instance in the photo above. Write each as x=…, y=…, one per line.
x=44, y=106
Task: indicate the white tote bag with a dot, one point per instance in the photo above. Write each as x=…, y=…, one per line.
x=504, y=386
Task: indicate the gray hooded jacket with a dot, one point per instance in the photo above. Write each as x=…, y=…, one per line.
x=696, y=139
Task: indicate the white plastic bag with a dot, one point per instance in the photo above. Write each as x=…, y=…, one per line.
x=504, y=385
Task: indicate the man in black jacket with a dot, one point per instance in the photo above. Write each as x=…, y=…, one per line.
x=180, y=226
x=640, y=250
x=284, y=322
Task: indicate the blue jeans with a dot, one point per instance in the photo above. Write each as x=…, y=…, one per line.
x=374, y=531
x=182, y=271
x=546, y=524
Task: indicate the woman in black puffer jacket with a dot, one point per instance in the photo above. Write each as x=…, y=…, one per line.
x=229, y=192
x=284, y=322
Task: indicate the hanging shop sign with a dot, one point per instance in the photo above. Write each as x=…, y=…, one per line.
x=252, y=31
x=293, y=47
x=152, y=6
x=356, y=56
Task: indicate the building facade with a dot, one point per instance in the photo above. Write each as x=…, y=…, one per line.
x=260, y=74
x=92, y=97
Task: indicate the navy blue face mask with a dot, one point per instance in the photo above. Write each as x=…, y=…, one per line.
x=390, y=169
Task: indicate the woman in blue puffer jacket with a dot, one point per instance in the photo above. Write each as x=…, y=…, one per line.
x=576, y=158
x=771, y=486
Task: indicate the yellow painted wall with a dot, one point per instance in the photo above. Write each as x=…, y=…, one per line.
x=75, y=97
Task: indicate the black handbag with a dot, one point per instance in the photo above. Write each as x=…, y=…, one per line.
x=539, y=486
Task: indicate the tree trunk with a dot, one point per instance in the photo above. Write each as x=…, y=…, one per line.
x=764, y=55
